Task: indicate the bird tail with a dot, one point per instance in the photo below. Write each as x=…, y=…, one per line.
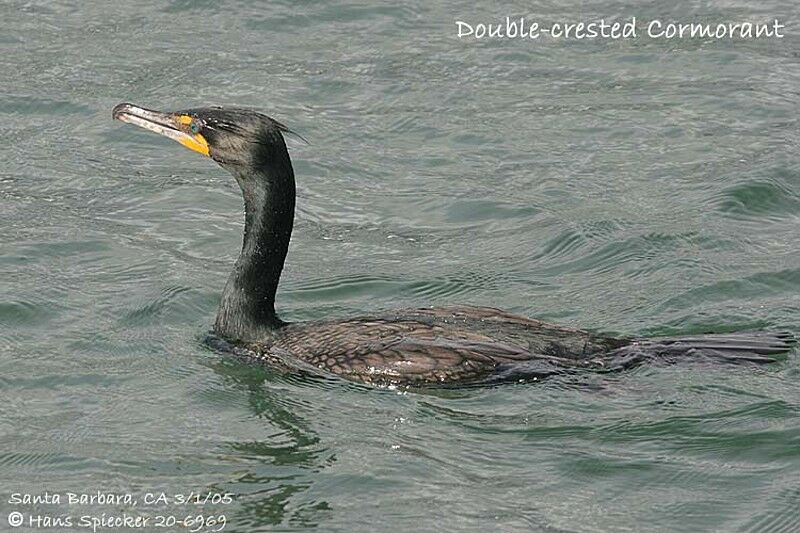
x=745, y=347
x=752, y=346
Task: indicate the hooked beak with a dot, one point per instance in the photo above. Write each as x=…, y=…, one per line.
x=176, y=126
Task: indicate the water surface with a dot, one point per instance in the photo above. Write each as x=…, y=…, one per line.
x=640, y=187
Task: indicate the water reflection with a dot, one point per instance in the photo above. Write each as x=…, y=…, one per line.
x=277, y=469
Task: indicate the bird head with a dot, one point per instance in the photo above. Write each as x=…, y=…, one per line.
x=230, y=136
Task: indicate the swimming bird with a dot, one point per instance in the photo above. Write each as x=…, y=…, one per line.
x=413, y=347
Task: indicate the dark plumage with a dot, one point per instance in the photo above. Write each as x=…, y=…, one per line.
x=458, y=344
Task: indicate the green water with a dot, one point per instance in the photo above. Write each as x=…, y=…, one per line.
x=639, y=187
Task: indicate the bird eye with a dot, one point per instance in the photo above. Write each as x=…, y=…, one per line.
x=194, y=126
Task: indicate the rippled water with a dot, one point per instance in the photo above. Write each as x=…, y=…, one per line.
x=638, y=187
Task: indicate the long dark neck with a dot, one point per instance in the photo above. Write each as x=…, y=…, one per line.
x=247, y=308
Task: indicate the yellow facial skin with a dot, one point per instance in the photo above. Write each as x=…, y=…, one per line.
x=192, y=141
x=176, y=127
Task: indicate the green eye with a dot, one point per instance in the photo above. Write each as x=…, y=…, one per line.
x=194, y=126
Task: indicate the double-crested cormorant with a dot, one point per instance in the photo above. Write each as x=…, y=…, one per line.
x=458, y=344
